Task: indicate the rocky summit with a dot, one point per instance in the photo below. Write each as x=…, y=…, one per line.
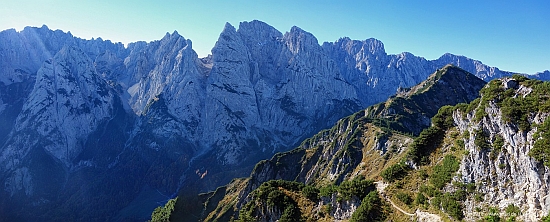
x=98, y=130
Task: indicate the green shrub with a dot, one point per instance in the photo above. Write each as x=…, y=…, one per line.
x=480, y=112
x=460, y=195
x=478, y=197
x=291, y=213
x=161, y=214
x=473, y=105
x=519, y=78
x=370, y=209
x=327, y=191
x=271, y=193
x=516, y=110
x=430, y=138
x=493, y=216
x=443, y=172
x=466, y=134
x=471, y=187
x=425, y=143
x=276, y=198
x=480, y=139
x=498, y=143
x=358, y=187
x=444, y=117
x=311, y=192
x=405, y=198
x=452, y=206
x=327, y=208
x=423, y=174
x=436, y=202
x=395, y=172
x=429, y=190
x=541, y=148
x=420, y=199
x=460, y=143
x=492, y=91
x=512, y=211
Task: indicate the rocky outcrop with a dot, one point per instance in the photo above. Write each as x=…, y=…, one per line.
x=505, y=175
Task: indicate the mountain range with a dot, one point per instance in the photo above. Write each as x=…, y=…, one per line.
x=95, y=129
x=480, y=159
x=360, y=144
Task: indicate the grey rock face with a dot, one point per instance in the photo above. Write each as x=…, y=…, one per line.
x=512, y=177
x=290, y=70
x=67, y=103
x=377, y=75
x=68, y=97
x=481, y=70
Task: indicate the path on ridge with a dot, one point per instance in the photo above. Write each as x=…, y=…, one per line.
x=421, y=215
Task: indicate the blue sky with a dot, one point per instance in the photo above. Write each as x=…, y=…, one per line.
x=511, y=35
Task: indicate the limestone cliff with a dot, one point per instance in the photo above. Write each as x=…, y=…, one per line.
x=501, y=146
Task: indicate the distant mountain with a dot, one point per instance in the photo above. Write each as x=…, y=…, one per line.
x=88, y=121
x=410, y=110
x=545, y=76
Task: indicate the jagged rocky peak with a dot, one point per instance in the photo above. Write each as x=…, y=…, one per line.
x=360, y=49
x=158, y=67
x=32, y=46
x=68, y=101
x=229, y=46
x=176, y=40
x=375, y=46
x=230, y=103
x=298, y=40
x=474, y=66
x=258, y=30
x=263, y=41
x=168, y=45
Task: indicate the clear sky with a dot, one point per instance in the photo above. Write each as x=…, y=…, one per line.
x=509, y=34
